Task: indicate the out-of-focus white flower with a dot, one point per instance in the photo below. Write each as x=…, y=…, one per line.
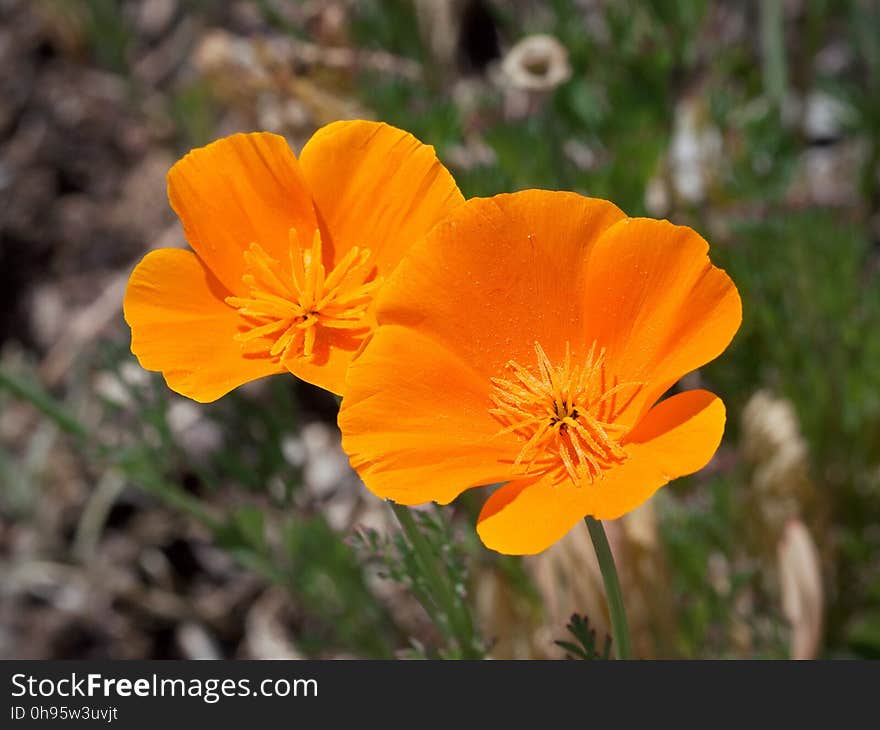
x=536, y=63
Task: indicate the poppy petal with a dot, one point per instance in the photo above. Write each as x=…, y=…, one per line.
x=499, y=274
x=677, y=437
x=657, y=304
x=376, y=187
x=415, y=421
x=333, y=354
x=181, y=327
x=236, y=191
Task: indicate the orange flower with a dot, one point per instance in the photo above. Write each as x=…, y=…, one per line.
x=288, y=254
x=527, y=340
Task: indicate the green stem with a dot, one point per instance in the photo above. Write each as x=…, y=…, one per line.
x=41, y=400
x=773, y=50
x=459, y=620
x=619, y=628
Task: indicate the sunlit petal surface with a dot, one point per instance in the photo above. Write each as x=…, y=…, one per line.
x=297, y=251
x=548, y=325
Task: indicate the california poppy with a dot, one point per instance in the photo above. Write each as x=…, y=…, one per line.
x=527, y=340
x=287, y=254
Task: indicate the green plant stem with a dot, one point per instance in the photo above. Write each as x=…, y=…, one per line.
x=459, y=620
x=619, y=628
x=773, y=50
x=41, y=400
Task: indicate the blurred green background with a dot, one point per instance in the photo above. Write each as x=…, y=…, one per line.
x=135, y=524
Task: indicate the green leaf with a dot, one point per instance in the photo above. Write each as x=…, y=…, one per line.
x=586, y=648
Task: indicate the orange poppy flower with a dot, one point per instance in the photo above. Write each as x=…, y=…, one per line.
x=527, y=340
x=287, y=254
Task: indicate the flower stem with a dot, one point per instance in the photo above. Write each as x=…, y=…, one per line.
x=459, y=618
x=619, y=628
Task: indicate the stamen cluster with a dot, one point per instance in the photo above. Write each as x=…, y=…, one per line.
x=287, y=307
x=565, y=414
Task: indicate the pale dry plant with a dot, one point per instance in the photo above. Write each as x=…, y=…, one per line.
x=780, y=498
x=567, y=579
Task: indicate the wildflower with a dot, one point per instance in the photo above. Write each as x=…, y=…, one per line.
x=287, y=254
x=527, y=340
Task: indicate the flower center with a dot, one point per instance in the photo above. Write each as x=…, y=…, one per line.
x=565, y=415
x=287, y=305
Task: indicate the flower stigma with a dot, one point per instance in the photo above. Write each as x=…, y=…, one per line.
x=286, y=307
x=565, y=415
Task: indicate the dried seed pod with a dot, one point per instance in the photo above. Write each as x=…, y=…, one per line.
x=800, y=580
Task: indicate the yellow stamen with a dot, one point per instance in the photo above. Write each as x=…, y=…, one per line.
x=285, y=307
x=565, y=415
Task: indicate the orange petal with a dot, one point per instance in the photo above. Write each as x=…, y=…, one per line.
x=376, y=187
x=334, y=350
x=655, y=301
x=677, y=437
x=499, y=274
x=415, y=421
x=240, y=190
x=181, y=327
